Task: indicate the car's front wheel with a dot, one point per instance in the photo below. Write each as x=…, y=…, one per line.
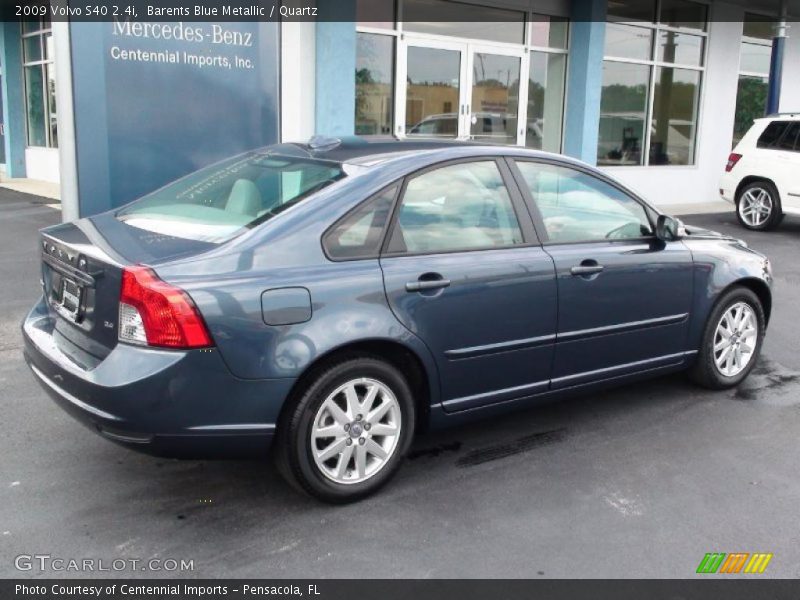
x=758, y=206
x=731, y=341
x=348, y=431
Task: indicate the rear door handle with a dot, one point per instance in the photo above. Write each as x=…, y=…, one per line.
x=586, y=270
x=427, y=284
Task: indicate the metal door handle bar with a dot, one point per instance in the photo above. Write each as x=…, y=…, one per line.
x=434, y=284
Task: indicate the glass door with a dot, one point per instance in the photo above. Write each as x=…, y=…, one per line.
x=432, y=89
x=460, y=90
x=495, y=89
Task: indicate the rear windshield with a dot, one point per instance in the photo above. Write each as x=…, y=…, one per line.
x=220, y=201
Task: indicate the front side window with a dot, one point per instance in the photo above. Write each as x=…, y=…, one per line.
x=577, y=207
x=464, y=206
x=358, y=234
x=223, y=200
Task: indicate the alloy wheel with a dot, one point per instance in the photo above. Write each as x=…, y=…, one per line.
x=755, y=206
x=356, y=431
x=735, y=339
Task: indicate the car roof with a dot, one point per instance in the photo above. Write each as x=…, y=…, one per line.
x=788, y=116
x=374, y=151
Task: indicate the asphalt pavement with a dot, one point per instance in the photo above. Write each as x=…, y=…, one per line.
x=641, y=481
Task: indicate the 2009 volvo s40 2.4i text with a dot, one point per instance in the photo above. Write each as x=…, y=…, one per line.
x=331, y=298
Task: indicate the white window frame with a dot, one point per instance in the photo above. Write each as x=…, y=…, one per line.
x=42, y=32
x=653, y=63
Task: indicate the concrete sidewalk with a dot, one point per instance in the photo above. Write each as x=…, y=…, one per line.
x=34, y=187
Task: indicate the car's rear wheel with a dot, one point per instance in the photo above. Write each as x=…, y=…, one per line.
x=348, y=431
x=731, y=341
x=758, y=206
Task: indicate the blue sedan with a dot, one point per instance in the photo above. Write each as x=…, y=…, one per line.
x=329, y=299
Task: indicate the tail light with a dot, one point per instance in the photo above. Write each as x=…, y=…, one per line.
x=155, y=313
x=732, y=160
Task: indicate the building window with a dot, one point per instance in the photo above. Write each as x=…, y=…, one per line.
x=40, y=83
x=754, y=59
x=652, y=75
x=547, y=71
x=374, y=84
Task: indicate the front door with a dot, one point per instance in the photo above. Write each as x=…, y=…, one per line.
x=462, y=272
x=624, y=296
x=451, y=89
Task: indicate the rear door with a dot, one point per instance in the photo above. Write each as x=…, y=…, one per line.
x=624, y=296
x=463, y=271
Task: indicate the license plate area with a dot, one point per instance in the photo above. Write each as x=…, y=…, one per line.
x=68, y=298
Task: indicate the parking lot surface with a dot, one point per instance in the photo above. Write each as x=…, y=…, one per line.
x=641, y=481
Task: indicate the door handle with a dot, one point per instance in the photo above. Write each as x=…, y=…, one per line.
x=586, y=268
x=427, y=284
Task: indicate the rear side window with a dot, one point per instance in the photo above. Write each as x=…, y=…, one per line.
x=789, y=139
x=358, y=234
x=464, y=206
x=772, y=134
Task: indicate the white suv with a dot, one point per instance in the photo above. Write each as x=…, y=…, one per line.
x=762, y=177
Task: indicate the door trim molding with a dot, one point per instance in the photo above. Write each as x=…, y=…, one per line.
x=473, y=351
x=580, y=334
x=596, y=374
x=528, y=388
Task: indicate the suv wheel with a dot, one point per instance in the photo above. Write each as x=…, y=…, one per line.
x=758, y=206
x=731, y=341
x=349, y=430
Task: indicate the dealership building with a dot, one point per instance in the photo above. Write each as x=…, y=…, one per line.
x=655, y=92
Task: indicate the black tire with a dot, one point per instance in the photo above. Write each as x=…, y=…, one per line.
x=776, y=211
x=705, y=372
x=293, y=446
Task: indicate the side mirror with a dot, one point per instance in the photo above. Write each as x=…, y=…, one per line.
x=669, y=229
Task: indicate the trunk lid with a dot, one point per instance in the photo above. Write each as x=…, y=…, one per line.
x=82, y=265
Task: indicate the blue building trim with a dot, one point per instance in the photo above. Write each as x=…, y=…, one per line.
x=775, y=75
x=91, y=123
x=585, y=79
x=13, y=91
x=336, y=67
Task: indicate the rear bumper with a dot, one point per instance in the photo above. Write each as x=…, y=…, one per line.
x=727, y=187
x=166, y=403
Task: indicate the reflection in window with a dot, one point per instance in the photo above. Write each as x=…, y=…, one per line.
x=495, y=98
x=680, y=48
x=548, y=32
x=374, y=84
x=648, y=113
x=545, y=101
x=623, y=107
x=358, y=234
x=684, y=13
x=458, y=207
x=432, y=91
x=754, y=59
x=40, y=83
x=577, y=207
x=751, y=99
x=674, y=122
x=625, y=41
